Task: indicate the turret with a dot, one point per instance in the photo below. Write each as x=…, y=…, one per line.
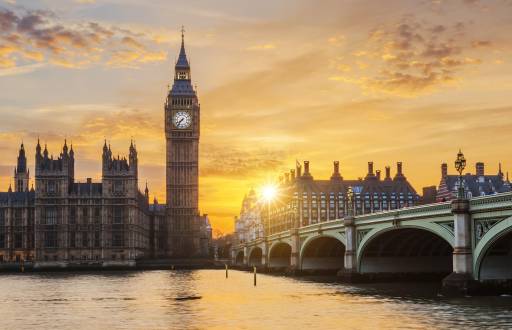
x=55, y=173
x=65, y=148
x=133, y=160
x=21, y=172
x=119, y=174
x=45, y=152
x=38, y=148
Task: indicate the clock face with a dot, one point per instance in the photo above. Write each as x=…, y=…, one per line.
x=182, y=119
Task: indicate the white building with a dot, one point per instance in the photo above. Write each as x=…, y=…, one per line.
x=249, y=225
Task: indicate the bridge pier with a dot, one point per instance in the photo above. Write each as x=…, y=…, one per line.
x=246, y=255
x=233, y=256
x=295, y=253
x=264, y=256
x=349, y=272
x=461, y=281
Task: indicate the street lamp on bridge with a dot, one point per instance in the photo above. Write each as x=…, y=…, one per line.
x=460, y=164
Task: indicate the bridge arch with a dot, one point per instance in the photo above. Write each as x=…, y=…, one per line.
x=322, y=253
x=412, y=249
x=280, y=255
x=493, y=253
x=255, y=256
x=239, y=259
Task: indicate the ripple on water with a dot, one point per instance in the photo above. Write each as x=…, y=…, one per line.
x=205, y=299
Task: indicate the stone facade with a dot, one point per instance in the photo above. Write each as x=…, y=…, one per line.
x=303, y=200
x=65, y=223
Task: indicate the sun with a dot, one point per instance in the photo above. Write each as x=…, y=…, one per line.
x=269, y=192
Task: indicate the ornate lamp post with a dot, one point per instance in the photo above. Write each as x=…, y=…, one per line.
x=350, y=199
x=460, y=164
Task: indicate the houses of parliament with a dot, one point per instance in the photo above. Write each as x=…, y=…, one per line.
x=59, y=222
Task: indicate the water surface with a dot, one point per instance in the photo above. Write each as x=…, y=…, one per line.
x=206, y=299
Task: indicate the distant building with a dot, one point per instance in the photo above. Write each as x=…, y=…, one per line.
x=478, y=184
x=303, y=200
x=429, y=195
x=306, y=201
x=249, y=226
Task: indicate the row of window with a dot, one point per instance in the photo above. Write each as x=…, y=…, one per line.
x=83, y=240
x=50, y=215
x=84, y=257
x=17, y=241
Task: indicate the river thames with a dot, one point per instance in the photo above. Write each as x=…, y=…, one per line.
x=206, y=299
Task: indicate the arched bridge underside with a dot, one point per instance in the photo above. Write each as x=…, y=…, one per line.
x=406, y=250
x=497, y=261
x=280, y=256
x=255, y=257
x=323, y=253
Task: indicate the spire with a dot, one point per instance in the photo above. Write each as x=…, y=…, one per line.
x=45, y=152
x=71, y=152
x=65, y=147
x=22, y=160
x=182, y=62
x=10, y=188
x=38, y=147
x=132, y=147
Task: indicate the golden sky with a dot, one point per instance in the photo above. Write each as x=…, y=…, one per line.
x=353, y=81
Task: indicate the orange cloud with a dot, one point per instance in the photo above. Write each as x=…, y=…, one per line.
x=38, y=36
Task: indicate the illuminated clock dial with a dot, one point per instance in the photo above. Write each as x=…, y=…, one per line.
x=182, y=119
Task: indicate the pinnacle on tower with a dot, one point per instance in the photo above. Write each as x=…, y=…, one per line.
x=38, y=147
x=182, y=62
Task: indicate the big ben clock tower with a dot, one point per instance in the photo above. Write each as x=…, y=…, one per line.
x=182, y=114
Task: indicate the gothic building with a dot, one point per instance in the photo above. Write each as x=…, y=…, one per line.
x=64, y=223
x=303, y=200
x=182, y=131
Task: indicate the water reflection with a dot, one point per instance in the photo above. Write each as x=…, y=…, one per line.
x=152, y=300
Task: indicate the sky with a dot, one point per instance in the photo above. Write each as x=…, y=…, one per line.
x=278, y=81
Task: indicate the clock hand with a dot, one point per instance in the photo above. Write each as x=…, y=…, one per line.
x=179, y=121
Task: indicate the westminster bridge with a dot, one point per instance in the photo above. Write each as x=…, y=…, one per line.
x=469, y=239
